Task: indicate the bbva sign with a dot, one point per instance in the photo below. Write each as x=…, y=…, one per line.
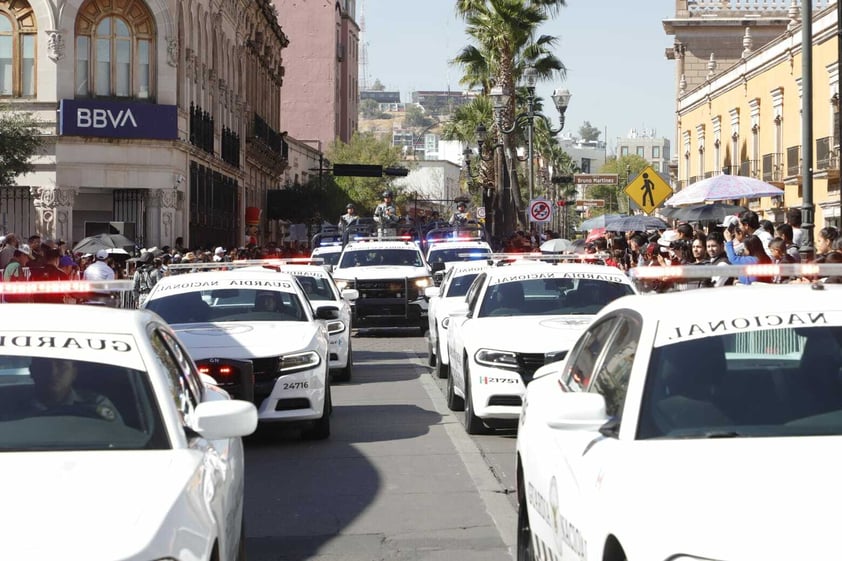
x=115, y=119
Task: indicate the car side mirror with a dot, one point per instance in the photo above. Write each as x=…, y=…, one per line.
x=327, y=312
x=432, y=291
x=215, y=420
x=581, y=411
x=350, y=294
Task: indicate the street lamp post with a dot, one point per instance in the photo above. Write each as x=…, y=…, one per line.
x=561, y=99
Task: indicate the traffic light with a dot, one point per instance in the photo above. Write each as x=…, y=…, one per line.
x=357, y=170
x=562, y=179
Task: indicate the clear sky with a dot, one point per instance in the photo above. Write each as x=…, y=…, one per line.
x=613, y=51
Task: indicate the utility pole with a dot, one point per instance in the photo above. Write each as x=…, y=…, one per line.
x=807, y=207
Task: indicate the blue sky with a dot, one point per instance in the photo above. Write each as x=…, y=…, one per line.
x=613, y=51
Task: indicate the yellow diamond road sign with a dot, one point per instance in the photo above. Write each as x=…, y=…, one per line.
x=648, y=190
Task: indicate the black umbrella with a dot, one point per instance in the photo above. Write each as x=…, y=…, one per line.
x=636, y=223
x=92, y=244
x=707, y=212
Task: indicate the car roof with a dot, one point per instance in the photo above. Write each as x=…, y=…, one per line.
x=266, y=279
x=528, y=266
x=375, y=245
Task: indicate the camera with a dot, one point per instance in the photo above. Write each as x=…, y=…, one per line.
x=680, y=245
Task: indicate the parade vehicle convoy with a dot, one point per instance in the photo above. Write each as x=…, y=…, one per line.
x=390, y=275
x=255, y=332
x=516, y=317
x=442, y=299
x=697, y=405
x=130, y=451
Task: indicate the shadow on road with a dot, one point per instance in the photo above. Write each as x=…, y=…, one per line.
x=309, y=492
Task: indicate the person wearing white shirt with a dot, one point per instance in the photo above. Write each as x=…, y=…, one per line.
x=99, y=269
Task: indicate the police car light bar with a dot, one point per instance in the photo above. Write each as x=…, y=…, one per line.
x=228, y=265
x=783, y=270
x=546, y=257
x=65, y=287
x=405, y=238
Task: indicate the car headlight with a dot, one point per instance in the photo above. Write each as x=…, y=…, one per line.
x=342, y=284
x=423, y=282
x=334, y=327
x=496, y=359
x=298, y=361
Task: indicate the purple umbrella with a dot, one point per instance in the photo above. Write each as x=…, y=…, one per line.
x=724, y=187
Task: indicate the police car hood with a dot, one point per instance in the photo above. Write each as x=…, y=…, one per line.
x=526, y=334
x=381, y=272
x=732, y=499
x=245, y=340
x=93, y=505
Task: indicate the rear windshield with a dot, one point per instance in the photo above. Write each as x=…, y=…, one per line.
x=773, y=382
x=62, y=404
x=382, y=257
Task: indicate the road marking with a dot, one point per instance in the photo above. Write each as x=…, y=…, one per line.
x=492, y=493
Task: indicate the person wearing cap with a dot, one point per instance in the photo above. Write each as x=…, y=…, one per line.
x=386, y=215
x=99, y=269
x=69, y=266
x=219, y=254
x=461, y=216
x=142, y=281
x=348, y=219
x=14, y=271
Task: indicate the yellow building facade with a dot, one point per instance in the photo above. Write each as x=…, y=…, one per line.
x=746, y=120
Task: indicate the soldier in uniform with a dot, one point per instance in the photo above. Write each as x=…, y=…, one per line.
x=461, y=216
x=350, y=218
x=386, y=216
x=54, y=393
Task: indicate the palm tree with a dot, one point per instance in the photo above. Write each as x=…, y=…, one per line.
x=504, y=32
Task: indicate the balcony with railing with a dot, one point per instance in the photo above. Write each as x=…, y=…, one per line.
x=771, y=167
x=825, y=154
x=793, y=161
x=748, y=168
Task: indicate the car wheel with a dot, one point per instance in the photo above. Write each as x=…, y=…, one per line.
x=321, y=426
x=524, y=533
x=344, y=375
x=432, y=358
x=473, y=424
x=454, y=402
x=442, y=369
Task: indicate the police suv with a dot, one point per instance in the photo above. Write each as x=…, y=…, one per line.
x=390, y=275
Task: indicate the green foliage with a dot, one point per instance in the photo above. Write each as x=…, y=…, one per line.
x=318, y=199
x=377, y=86
x=20, y=139
x=415, y=117
x=627, y=168
x=588, y=132
x=370, y=109
x=364, y=148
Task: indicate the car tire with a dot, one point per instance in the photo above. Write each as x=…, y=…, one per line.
x=344, y=375
x=432, y=358
x=442, y=369
x=473, y=424
x=454, y=402
x=524, y=533
x=321, y=426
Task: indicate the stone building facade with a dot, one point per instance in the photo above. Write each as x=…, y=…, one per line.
x=162, y=117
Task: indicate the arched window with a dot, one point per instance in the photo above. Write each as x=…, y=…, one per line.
x=17, y=49
x=114, y=49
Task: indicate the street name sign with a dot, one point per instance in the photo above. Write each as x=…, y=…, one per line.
x=596, y=179
x=648, y=190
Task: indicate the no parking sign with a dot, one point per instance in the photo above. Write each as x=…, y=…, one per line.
x=540, y=210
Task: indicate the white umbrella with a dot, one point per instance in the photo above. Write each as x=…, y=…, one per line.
x=557, y=245
x=723, y=187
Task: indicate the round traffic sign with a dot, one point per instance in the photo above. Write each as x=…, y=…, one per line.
x=540, y=211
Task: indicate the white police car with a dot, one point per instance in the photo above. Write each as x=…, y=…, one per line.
x=390, y=276
x=443, y=298
x=696, y=425
x=453, y=245
x=111, y=440
x=515, y=319
x=241, y=325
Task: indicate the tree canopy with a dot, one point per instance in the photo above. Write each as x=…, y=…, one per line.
x=588, y=132
x=20, y=139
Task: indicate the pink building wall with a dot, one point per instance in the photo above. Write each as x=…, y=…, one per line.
x=320, y=90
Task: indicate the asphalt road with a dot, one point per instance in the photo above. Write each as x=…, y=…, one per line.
x=398, y=480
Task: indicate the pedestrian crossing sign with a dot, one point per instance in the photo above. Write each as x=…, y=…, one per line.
x=648, y=190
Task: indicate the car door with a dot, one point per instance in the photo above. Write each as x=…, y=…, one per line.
x=222, y=460
x=455, y=343
x=561, y=463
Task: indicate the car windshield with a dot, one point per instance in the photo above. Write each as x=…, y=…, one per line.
x=229, y=304
x=381, y=257
x=49, y=404
x=450, y=255
x=774, y=382
x=459, y=285
x=316, y=288
x=550, y=296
